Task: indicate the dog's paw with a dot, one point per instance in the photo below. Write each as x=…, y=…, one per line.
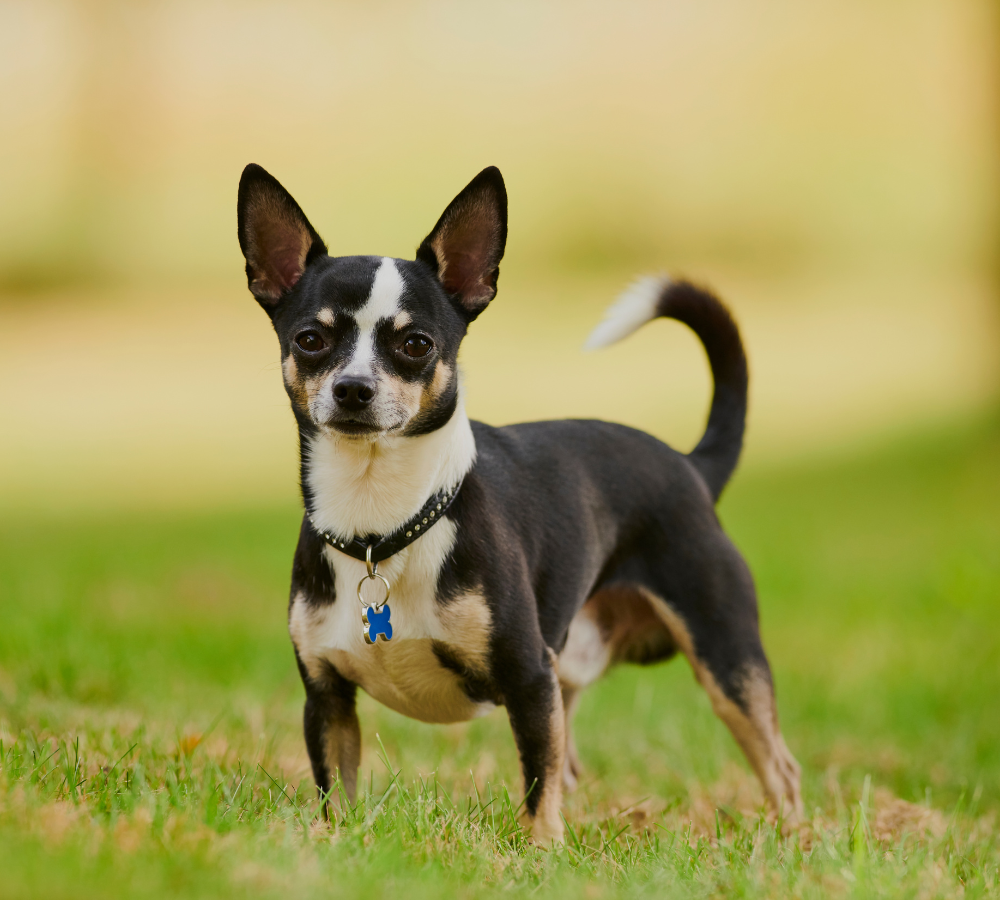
x=543, y=831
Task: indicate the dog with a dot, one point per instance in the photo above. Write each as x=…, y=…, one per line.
x=447, y=567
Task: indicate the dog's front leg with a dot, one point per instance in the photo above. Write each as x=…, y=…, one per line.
x=332, y=732
x=534, y=706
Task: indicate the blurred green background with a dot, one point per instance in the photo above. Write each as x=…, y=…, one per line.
x=830, y=168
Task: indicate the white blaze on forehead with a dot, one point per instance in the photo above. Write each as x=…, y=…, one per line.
x=383, y=301
x=382, y=304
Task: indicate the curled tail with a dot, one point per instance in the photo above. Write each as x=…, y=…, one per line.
x=718, y=451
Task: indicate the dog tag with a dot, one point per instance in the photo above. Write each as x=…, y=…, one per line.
x=375, y=617
x=377, y=624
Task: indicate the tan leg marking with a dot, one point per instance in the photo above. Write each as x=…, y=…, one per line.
x=756, y=731
x=342, y=749
x=546, y=825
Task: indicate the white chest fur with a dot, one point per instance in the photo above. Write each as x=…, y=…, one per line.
x=362, y=487
x=405, y=673
x=372, y=487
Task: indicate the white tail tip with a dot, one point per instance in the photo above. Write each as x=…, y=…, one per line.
x=634, y=308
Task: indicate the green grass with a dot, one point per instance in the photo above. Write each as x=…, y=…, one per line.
x=150, y=739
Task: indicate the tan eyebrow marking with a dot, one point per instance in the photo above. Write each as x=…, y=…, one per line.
x=326, y=316
x=402, y=320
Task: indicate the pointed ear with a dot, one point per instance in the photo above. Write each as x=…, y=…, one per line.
x=275, y=236
x=467, y=244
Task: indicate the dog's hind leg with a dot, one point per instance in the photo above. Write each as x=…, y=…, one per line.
x=582, y=661
x=332, y=732
x=713, y=621
x=614, y=625
x=572, y=767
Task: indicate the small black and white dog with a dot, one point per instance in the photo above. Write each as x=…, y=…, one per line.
x=501, y=566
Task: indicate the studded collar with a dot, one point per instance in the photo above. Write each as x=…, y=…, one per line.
x=384, y=546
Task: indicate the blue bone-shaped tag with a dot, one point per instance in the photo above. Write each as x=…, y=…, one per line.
x=377, y=624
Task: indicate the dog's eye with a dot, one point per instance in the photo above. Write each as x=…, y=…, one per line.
x=310, y=341
x=417, y=345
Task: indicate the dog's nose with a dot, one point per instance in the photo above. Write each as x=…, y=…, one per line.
x=353, y=394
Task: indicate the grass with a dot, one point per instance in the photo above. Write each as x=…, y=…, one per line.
x=150, y=738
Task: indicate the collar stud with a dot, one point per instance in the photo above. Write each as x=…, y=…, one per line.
x=384, y=546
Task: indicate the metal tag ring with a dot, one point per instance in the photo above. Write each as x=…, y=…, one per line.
x=385, y=599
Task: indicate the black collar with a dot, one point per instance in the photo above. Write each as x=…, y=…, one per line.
x=384, y=546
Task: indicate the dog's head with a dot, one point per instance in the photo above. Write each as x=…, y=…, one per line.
x=369, y=344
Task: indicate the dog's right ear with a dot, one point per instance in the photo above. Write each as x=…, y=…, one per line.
x=467, y=244
x=275, y=236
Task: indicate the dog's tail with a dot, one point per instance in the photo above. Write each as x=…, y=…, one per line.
x=718, y=451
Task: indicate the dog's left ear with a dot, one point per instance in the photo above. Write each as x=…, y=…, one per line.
x=275, y=236
x=467, y=244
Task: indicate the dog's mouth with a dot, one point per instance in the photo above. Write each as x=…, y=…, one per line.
x=361, y=425
x=353, y=427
